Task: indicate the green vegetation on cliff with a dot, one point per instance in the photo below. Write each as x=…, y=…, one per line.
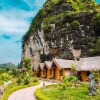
x=74, y=7
x=96, y=49
x=96, y=20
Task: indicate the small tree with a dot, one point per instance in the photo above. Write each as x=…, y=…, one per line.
x=27, y=63
x=74, y=79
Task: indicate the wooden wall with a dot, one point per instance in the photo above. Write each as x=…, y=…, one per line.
x=84, y=75
x=41, y=73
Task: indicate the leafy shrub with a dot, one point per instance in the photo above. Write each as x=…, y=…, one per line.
x=19, y=81
x=65, y=83
x=27, y=63
x=62, y=86
x=72, y=78
x=68, y=84
x=1, y=82
x=39, y=95
x=35, y=79
x=5, y=77
x=23, y=80
x=26, y=81
x=69, y=79
x=65, y=79
x=15, y=72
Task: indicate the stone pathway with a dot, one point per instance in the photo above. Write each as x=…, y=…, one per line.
x=27, y=93
x=1, y=95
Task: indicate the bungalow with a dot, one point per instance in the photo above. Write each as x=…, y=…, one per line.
x=62, y=68
x=86, y=65
x=47, y=67
x=35, y=69
x=41, y=67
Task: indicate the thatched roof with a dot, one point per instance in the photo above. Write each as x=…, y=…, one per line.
x=89, y=64
x=62, y=63
x=35, y=67
x=41, y=66
x=90, y=58
x=48, y=64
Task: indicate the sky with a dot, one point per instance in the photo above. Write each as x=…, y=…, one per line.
x=15, y=18
x=98, y=1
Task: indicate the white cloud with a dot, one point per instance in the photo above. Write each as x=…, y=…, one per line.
x=14, y=23
x=32, y=3
x=12, y=26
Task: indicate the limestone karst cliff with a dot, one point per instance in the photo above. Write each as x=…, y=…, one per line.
x=62, y=29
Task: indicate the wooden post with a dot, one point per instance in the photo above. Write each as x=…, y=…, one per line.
x=43, y=85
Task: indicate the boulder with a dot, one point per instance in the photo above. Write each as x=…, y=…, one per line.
x=1, y=89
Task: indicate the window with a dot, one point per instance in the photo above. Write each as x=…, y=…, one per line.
x=61, y=72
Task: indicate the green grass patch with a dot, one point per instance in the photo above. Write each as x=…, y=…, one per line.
x=11, y=88
x=71, y=93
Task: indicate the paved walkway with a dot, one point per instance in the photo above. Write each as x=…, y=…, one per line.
x=27, y=93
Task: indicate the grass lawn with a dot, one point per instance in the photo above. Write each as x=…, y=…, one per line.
x=79, y=93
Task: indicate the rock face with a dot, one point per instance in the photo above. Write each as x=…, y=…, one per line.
x=60, y=30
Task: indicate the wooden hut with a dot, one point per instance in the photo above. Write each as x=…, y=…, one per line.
x=41, y=67
x=47, y=68
x=87, y=65
x=62, y=68
x=35, y=69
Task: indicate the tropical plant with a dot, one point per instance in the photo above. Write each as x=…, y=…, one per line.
x=1, y=82
x=27, y=63
x=5, y=77
x=35, y=79
x=19, y=81
x=26, y=81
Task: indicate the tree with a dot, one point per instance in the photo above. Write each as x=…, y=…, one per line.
x=27, y=63
x=96, y=49
x=96, y=22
